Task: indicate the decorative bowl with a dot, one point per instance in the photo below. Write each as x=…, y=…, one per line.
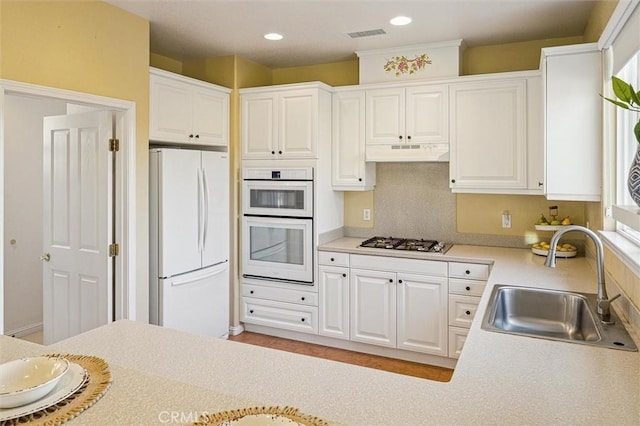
x=26, y=380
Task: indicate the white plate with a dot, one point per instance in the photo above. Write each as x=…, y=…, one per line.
x=68, y=384
x=26, y=380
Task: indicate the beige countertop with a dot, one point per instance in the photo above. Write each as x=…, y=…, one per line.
x=499, y=378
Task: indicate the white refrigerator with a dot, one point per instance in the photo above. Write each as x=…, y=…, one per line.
x=189, y=240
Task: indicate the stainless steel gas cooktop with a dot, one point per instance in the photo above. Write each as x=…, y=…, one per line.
x=411, y=244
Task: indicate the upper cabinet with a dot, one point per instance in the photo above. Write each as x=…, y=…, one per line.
x=186, y=111
x=407, y=123
x=496, y=141
x=349, y=171
x=284, y=122
x=573, y=117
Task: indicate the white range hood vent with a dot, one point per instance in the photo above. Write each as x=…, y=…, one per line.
x=436, y=152
x=415, y=62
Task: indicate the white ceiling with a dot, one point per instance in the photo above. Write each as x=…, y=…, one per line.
x=315, y=30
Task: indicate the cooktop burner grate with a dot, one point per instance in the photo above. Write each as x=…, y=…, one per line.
x=392, y=243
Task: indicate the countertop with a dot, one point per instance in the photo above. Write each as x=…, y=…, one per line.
x=499, y=378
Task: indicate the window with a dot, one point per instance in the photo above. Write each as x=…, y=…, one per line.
x=626, y=147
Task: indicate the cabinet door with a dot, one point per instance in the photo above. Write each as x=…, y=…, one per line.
x=488, y=135
x=385, y=119
x=259, y=130
x=334, y=302
x=169, y=110
x=210, y=117
x=427, y=119
x=422, y=314
x=297, y=123
x=373, y=307
x=349, y=170
x=573, y=124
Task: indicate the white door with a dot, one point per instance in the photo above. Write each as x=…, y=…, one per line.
x=215, y=236
x=334, y=302
x=427, y=114
x=298, y=123
x=197, y=302
x=373, y=307
x=422, y=313
x=181, y=205
x=385, y=116
x=76, y=199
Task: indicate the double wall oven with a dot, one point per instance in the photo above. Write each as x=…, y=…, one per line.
x=277, y=224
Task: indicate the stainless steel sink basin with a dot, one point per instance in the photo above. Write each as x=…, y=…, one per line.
x=552, y=314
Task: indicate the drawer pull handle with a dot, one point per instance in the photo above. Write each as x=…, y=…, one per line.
x=332, y=259
x=468, y=288
x=344, y=275
x=302, y=319
x=251, y=311
x=251, y=292
x=302, y=298
x=467, y=272
x=468, y=312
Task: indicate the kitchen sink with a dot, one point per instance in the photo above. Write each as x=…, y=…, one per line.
x=552, y=314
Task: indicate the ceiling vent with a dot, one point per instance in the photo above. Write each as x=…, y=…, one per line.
x=368, y=33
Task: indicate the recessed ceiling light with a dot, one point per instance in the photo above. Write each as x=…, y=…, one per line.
x=273, y=36
x=400, y=20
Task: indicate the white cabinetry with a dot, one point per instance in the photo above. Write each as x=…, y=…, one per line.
x=279, y=305
x=467, y=282
x=283, y=122
x=349, y=171
x=407, y=123
x=496, y=141
x=183, y=110
x=573, y=117
x=399, y=303
x=333, y=292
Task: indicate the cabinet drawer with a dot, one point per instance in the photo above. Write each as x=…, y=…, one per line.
x=280, y=315
x=333, y=258
x=462, y=309
x=457, y=337
x=280, y=294
x=472, y=271
x=395, y=264
x=466, y=287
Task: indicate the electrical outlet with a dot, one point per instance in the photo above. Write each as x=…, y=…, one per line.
x=506, y=219
x=366, y=214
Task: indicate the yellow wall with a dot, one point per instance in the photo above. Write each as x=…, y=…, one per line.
x=165, y=63
x=89, y=47
x=343, y=73
x=509, y=57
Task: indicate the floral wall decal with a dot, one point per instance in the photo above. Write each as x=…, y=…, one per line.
x=401, y=65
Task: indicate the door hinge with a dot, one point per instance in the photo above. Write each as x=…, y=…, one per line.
x=114, y=145
x=114, y=250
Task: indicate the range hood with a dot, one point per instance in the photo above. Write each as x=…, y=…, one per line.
x=406, y=152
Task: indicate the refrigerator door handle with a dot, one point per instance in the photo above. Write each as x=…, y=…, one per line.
x=205, y=190
x=200, y=206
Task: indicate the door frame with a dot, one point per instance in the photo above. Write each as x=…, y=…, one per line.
x=125, y=112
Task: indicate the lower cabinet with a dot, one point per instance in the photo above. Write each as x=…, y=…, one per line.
x=398, y=309
x=467, y=282
x=279, y=307
x=334, y=302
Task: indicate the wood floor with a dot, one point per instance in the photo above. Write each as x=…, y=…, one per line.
x=407, y=368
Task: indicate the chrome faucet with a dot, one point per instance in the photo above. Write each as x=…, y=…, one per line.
x=603, y=303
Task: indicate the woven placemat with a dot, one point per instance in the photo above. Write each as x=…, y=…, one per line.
x=262, y=416
x=98, y=382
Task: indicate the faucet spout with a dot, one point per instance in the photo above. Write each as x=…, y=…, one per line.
x=603, y=301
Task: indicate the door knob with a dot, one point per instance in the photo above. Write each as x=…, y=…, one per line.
x=46, y=257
